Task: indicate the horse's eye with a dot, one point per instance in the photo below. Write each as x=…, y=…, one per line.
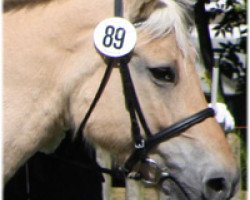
x=164, y=74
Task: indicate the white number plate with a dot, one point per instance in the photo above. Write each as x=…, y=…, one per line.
x=115, y=37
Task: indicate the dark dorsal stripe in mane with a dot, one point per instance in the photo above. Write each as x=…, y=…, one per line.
x=175, y=17
x=9, y=5
x=159, y=17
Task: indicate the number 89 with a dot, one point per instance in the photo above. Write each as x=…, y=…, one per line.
x=114, y=37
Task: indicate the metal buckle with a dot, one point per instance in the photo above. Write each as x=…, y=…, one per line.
x=134, y=175
x=154, y=174
x=140, y=145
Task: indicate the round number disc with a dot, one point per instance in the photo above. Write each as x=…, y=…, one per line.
x=115, y=37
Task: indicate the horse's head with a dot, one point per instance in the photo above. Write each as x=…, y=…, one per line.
x=168, y=89
x=52, y=71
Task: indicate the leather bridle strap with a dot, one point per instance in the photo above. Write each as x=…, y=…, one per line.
x=127, y=88
x=166, y=134
x=131, y=99
x=127, y=80
x=133, y=106
x=99, y=92
x=179, y=127
x=142, y=147
x=118, y=8
x=118, y=11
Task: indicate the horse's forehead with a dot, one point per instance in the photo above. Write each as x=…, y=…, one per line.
x=160, y=49
x=139, y=9
x=161, y=17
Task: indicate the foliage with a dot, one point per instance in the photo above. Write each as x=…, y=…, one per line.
x=233, y=20
x=232, y=15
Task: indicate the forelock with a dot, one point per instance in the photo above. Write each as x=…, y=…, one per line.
x=174, y=16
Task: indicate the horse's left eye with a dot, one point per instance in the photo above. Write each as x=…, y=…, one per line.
x=164, y=74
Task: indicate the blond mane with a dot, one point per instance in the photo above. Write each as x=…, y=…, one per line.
x=175, y=16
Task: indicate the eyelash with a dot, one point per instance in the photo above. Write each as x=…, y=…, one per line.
x=163, y=74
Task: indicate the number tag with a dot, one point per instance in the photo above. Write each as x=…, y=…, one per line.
x=115, y=37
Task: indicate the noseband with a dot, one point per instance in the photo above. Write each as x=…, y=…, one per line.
x=142, y=145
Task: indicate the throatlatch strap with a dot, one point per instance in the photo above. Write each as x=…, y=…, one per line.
x=97, y=97
x=118, y=11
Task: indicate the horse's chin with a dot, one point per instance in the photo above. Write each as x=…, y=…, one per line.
x=170, y=190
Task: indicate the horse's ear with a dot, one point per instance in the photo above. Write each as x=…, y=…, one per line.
x=139, y=10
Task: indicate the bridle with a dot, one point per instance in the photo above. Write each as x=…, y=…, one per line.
x=142, y=145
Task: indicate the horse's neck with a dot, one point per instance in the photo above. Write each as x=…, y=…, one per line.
x=48, y=51
x=54, y=33
x=57, y=17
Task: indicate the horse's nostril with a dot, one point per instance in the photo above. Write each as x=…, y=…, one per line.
x=216, y=184
x=216, y=188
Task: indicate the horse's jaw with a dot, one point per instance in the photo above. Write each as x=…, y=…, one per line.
x=52, y=144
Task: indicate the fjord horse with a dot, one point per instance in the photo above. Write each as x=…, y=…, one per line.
x=52, y=70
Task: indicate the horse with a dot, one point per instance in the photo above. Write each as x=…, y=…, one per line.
x=52, y=71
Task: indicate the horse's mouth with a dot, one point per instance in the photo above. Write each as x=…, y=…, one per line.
x=174, y=190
